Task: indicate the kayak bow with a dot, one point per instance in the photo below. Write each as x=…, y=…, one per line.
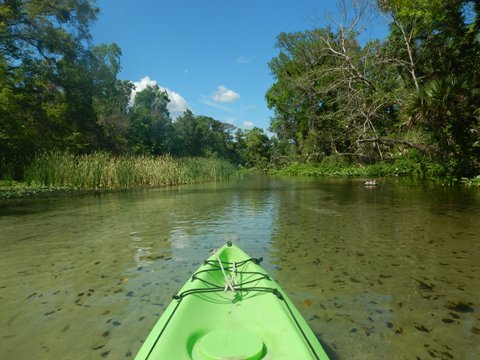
x=231, y=310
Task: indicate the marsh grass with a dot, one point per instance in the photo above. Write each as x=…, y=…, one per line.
x=103, y=171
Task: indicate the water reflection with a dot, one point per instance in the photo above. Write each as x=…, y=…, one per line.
x=385, y=272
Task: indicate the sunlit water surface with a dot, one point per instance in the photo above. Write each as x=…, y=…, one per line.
x=386, y=272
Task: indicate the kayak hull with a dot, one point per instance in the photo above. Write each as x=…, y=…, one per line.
x=207, y=320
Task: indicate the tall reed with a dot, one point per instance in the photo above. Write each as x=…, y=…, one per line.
x=101, y=170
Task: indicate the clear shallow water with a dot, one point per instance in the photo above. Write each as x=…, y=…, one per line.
x=387, y=272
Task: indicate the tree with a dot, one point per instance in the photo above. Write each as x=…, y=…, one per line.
x=44, y=46
x=150, y=123
x=36, y=30
x=111, y=97
x=15, y=131
x=189, y=139
x=203, y=136
x=418, y=89
x=253, y=147
x=331, y=94
x=301, y=113
x=439, y=43
x=217, y=137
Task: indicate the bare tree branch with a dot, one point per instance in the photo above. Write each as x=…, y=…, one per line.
x=421, y=147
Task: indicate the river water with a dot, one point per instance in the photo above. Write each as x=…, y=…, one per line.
x=386, y=272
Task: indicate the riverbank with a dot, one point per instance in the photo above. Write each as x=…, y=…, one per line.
x=54, y=173
x=406, y=168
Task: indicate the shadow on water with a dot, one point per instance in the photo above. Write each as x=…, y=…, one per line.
x=328, y=349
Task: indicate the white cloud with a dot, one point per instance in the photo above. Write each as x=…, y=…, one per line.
x=142, y=85
x=244, y=60
x=177, y=104
x=207, y=101
x=230, y=120
x=224, y=95
x=248, y=124
x=250, y=107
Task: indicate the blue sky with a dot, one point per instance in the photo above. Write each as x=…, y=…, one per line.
x=210, y=55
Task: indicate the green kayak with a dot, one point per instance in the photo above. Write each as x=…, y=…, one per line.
x=231, y=310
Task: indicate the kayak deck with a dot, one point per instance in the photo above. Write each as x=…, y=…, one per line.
x=207, y=320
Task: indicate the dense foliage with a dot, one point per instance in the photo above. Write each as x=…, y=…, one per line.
x=415, y=94
x=58, y=92
x=410, y=99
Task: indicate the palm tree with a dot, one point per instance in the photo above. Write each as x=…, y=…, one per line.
x=445, y=108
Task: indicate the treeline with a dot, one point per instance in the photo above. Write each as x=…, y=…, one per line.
x=414, y=96
x=60, y=93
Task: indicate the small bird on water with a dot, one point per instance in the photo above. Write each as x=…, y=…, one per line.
x=371, y=182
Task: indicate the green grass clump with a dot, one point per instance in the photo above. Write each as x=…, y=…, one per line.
x=103, y=171
x=336, y=167
x=325, y=168
x=471, y=182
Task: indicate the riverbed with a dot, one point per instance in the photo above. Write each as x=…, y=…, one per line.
x=390, y=271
